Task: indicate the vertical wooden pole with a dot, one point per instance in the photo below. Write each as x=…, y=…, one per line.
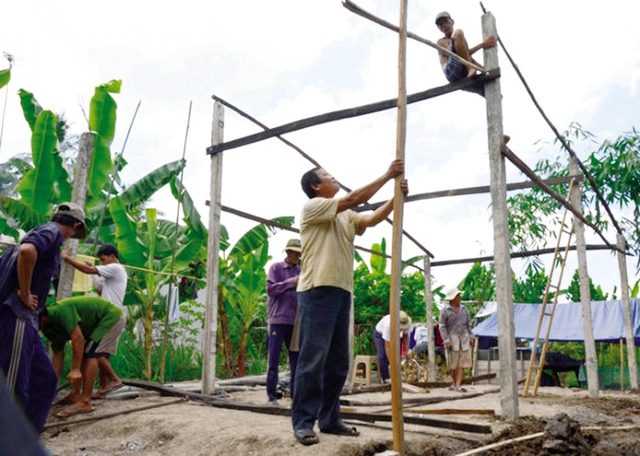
x=211, y=303
x=428, y=302
x=622, y=365
x=626, y=308
x=504, y=292
x=396, y=249
x=585, y=291
x=78, y=196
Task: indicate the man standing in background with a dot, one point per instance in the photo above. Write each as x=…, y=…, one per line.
x=455, y=327
x=282, y=306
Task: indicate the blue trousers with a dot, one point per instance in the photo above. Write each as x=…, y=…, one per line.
x=279, y=334
x=27, y=368
x=323, y=362
x=383, y=361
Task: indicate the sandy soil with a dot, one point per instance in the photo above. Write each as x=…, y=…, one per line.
x=190, y=428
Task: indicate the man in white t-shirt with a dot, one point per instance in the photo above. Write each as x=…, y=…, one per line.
x=382, y=339
x=110, y=281
x=421, y=338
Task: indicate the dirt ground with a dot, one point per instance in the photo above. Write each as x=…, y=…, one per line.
x=191, y=428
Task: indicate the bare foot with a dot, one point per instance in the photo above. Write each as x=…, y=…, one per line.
x=111, y=387
x=75, y=409
x=471, y=73
x=70, y=398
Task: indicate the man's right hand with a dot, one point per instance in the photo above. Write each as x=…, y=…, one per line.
x=396, y=168
x=75, y=378
x=29, y=300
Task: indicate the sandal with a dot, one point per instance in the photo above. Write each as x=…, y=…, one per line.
x=72, y=411
x=306, y=436
x=341, y=429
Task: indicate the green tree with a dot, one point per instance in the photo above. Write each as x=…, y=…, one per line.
x=531, y=288
x=242, y=299
x=573, y=291
x=614, y=166
x=371, y=296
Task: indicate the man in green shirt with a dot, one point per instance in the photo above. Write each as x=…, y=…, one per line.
x=93, y=325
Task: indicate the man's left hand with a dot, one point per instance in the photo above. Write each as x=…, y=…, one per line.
x=405, y=186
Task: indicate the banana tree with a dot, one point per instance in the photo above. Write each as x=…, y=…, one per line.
x=48, y=182
x=147, y=245
x=242, y=293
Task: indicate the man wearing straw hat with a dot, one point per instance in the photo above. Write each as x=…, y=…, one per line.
x=455, y=327
x=328, y=228
x=382, y=339
x=282, y=305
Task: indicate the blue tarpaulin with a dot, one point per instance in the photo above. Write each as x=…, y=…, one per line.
x=608, y=322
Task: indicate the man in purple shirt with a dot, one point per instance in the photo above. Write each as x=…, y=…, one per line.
x=282, y=305
x=26, y=271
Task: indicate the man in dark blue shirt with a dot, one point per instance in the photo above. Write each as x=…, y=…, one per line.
x=26, y=272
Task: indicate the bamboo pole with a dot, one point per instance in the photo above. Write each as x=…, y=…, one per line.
x=585, y=290
x=626, y=308
x=78, y=196
x=211, y=306
x=396, y=249
x=504, y=292
x=428, y=300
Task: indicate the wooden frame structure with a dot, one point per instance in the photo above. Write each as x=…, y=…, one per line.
x=498, y=188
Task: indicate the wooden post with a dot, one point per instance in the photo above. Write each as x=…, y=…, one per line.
x=504, y=292
x=585, y=291
x=428, y=302
x=396, y=248
x=626, y=308
x=78, y=196
x=211, y=303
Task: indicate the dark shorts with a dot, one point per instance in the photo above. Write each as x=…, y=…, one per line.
x=455, y=71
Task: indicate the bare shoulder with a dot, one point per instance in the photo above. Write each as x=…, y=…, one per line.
x=444, y=41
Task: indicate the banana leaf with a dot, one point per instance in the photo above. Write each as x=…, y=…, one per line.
x=143, y=189
x=129, y=246
x=37, y=186
x=5, y=77
x=26, y=217
x=255, y=237
x=31, y=109
x=102, y=121
x=191, y=215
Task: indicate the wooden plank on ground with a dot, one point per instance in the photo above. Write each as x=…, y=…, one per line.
x=268, y=409
x=465, y=381
x=448, y=411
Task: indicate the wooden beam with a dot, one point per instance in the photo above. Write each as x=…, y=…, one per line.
x=103, y=416
x=351, y=112
x=449, y=411
x=466, y=191
x=270, y=410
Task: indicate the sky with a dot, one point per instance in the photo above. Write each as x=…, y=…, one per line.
x=285, y=60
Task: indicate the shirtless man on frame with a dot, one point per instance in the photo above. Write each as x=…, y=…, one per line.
x=455, y=41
